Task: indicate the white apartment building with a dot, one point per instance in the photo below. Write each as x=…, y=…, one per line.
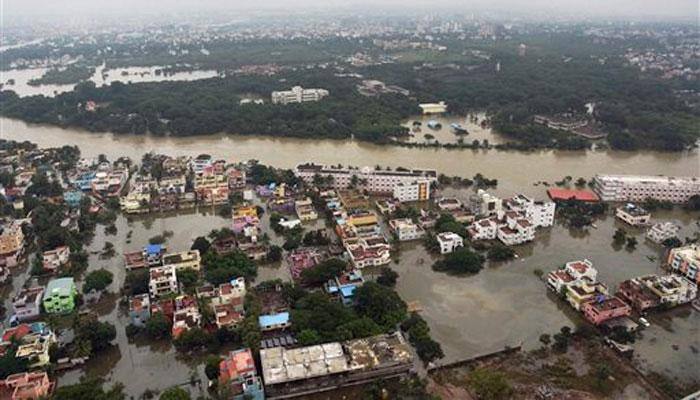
x=163, y=280
x=640, y=188
x=372, y=180
x=633, y=215
x=573, y=272
x=686, y=261
x=483, y=229
x=486, y=204
x=671, y=289
x=449, y=242
x=298, y=95
x=539, y=213
x=418, y=190
x=662, y=231
x=405, y=229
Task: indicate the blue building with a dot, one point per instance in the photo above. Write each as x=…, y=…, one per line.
x=73, y=198
x=273, y=322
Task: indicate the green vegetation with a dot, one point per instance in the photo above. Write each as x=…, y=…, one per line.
x=489, y=384
x=136, y=282
x=188, y=278
x=73, y=73
x=175, y=393
x=387, y=277
x=419, y=335
x=158, y=326
x=324, y=271
x=220, y=269
x=499, y=252
x=89, y=389
x=579, y=214
x=97, y=280
x=461, y=261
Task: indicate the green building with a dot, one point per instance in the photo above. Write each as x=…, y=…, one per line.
x=59, y=297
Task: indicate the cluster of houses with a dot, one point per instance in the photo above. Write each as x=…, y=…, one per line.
x=577, y=283
x=181, y=183
x=100, y=179
x=512, y=221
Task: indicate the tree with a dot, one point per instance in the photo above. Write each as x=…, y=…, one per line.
x=489, y=385
x=89, y=389
x=222, y=268
x=602, y=373
x=188, y=278
x=631, y=243
x=99, y=334
x=381, y=304
x=97, y=280
x=158, y=326
x=322, y=272
x=461, y=261
x=619, y=237
x=309, y=337
x=274, y=254
x=9, y=364
x=545, y=339
x=136, y=281
x=193, y=339
x=693, y=203
x=175, y=393
x=500, y=252
x=211, y=368
x=202, y=244
x=387, y=277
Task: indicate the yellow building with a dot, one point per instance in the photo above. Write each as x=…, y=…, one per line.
x=582, y=291
x=245, y=211
x=184, y=259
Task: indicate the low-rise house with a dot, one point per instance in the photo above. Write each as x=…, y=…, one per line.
x=139, y=309
x=582, y=291
x=449, y=203
x=273, y=322
x=633, y=215
x=59, y=297
x=572, y=272
x=183, y=260
x=72, y=198
x=26, y=386
x=449, y=242
x=662, y=231
x=364, y=253
x=670, y=289
x=134, y=260
x=302, y=259
x=238, y=375
x=228, y=303
x=343, y=287
x=52, y=260
x=153, y=254
x=163, y=280
x=11, y=243
x=34, y=346
x=605, y=308
x=483, y=229
x=637, y=294
x=236, y=179
x=405, y=229
x=686, y=262
x=27, y=303
x=186, y=315
x=305, y=210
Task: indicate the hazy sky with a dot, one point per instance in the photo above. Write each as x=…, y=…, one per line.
x=662, y=9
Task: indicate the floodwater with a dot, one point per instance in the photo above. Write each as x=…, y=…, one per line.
x=502, y=305
x=445, y=134
x=101, y=77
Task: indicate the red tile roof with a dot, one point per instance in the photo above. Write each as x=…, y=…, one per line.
x=566, y=194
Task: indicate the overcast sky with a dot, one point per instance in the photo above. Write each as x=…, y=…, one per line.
x=662, y=9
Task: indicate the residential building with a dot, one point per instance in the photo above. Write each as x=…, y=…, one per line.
x=186, y=315
x=418, y=190
x=72, y=198
x=273, y=322
x=11, y=243
x=662, y=231
x=298, y=95
x=139, y=309
x=486, y=204
x=670, y=289
x=633, y=215
x=515, y=229
x=34, y=344
x=52, y=260
x=483, y=229
x=302, y=259
x=365, y=253
x=559, y=194
x=305, y=210
x=153, y=254
x=372, y=180
x=433, y=108
x=343, y=287
x=637, y=294
x=686, y=261
x=605, y=308
x=59, y=297
x=313, y=369
x=238, y=374
x=405, y=229
x=236, y=179
x=183, y=260
x=449, y=242
x=228, y=303
x=539, y=213
x=26, y=386
x=163, y=280
x=572, y=273
x=582, y=291
x=639, y=188
x=27, y=303
x=449, y=204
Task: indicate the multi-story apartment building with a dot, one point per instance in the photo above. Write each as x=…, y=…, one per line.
x=163, y=280
x=573, y=272
x=238, y=375
x=405, y=229
x=52, y=260
x=662, y=231
x=639, y=188
x=305, y=210
x=298, y=95
x=372, y=180
x=183, y=260
x=633, y=215
x=582, y=291
x=27, y=303
x=539, y=213
x=59, y=296
x=686, y=261
x=670, y=289
x=449, y=242
x=418, y=190
x=365, y=254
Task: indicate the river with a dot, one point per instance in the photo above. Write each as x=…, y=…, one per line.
x=503, y=305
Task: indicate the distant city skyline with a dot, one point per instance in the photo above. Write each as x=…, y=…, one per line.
x=628, y=9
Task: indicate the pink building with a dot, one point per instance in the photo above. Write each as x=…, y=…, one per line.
x=26, y=386
x=605, y=308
